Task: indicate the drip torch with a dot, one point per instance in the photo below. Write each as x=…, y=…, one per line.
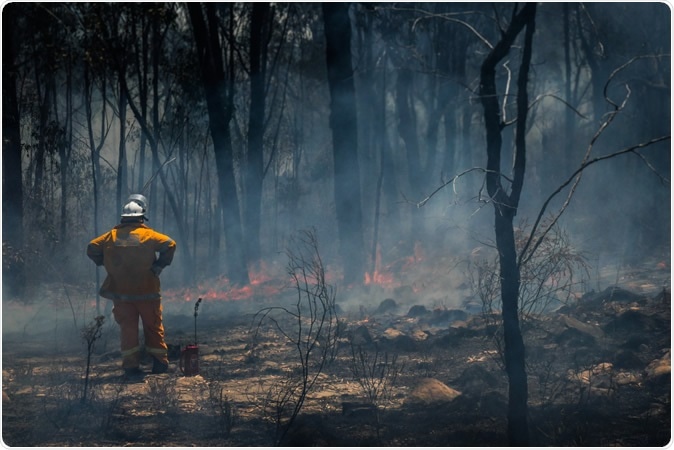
x=189, y=356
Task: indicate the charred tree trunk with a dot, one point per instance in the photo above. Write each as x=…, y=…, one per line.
x=407, y=129
x=505, y=209
x=218, y=90
x=256, y=128
x=65, y=150
x=142, y=56
x=12, y=182
x=121, y=160
x=95, y=153
x=343, y=123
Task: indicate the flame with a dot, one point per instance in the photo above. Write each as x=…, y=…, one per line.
x=262, y=285
x=389, y=277
x=265, y=283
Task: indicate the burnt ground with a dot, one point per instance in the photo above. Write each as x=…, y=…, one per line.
x=598, y=375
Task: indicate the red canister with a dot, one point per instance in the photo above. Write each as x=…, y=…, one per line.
x=189, y=360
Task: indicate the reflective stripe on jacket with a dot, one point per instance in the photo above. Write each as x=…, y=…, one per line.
x=128, y=252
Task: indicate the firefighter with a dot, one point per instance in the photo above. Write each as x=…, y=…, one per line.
x=134, y=256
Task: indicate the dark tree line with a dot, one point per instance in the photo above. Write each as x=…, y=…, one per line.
x=245, y=122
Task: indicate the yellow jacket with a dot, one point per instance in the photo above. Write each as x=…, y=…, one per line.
x=129, y=251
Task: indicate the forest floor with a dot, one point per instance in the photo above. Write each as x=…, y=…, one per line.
x=598, y=375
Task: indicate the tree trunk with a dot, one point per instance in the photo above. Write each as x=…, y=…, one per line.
x=343, y=123
x=65, y=151
x=407, y=128
x=218, y=92
x=12, y=184
x=121, y=160
x=254, y=162
x=95, y=152
x=505, y=209
x=142, y=99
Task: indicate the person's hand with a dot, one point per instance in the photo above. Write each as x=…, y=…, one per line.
x=156, y=269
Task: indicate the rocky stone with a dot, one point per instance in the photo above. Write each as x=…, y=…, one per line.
x=633, y=321
x=660, y=370
x=396, y=340
x=361, y=336
x=627, y=359
x=417, y=311
x=596, y=376
x=447, y=316
x=575, y=338
x=585, y=328
x=476, y=379
x=431, y=391
x=387, y=306
x=624, y=378
x=391, y=333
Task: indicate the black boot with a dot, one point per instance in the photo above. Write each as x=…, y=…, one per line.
x=133, y=373
x=159, y=367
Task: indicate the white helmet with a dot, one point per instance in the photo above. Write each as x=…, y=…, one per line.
x=138, y=198
x=133, y=209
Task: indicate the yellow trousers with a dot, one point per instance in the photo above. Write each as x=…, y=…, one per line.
x=126, y=314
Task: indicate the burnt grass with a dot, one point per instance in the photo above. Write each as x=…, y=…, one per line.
x=598, y=375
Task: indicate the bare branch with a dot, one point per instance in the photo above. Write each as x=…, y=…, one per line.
x=452, y=180
x=447, y=17
x=577, y=173
x=663, y=179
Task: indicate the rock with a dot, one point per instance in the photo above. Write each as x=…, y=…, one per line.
x=633, y=321
x=624, y=378
x=417, y=311
x=431, y=391
x=575, y=338
x=597, y=376
x=5, y=398
x=659, y=370
x=585, y=328
x=636, y=342
x=419, y=335
x=449, y=337
x=392, y=333
x=627, y=359
x=361, y=336
x=393, y=339
x=476, y=379
x=446, y=316
x=387, y=306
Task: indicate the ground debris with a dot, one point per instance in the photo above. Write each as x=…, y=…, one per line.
x=599, y=372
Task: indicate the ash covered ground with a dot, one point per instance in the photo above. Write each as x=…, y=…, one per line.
x=408, y=371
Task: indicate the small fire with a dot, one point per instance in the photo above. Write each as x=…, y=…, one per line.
x=389, y=277
x=384, y=279
x=262, y=285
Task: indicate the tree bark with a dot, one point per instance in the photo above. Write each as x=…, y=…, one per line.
x=95, y=153
x=12, y=181
x=120, y=196
x=343, y=123
x=505, y=209
x=219, y=102
x=254, y=161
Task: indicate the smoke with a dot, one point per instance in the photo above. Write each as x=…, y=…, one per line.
x=620, y=214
